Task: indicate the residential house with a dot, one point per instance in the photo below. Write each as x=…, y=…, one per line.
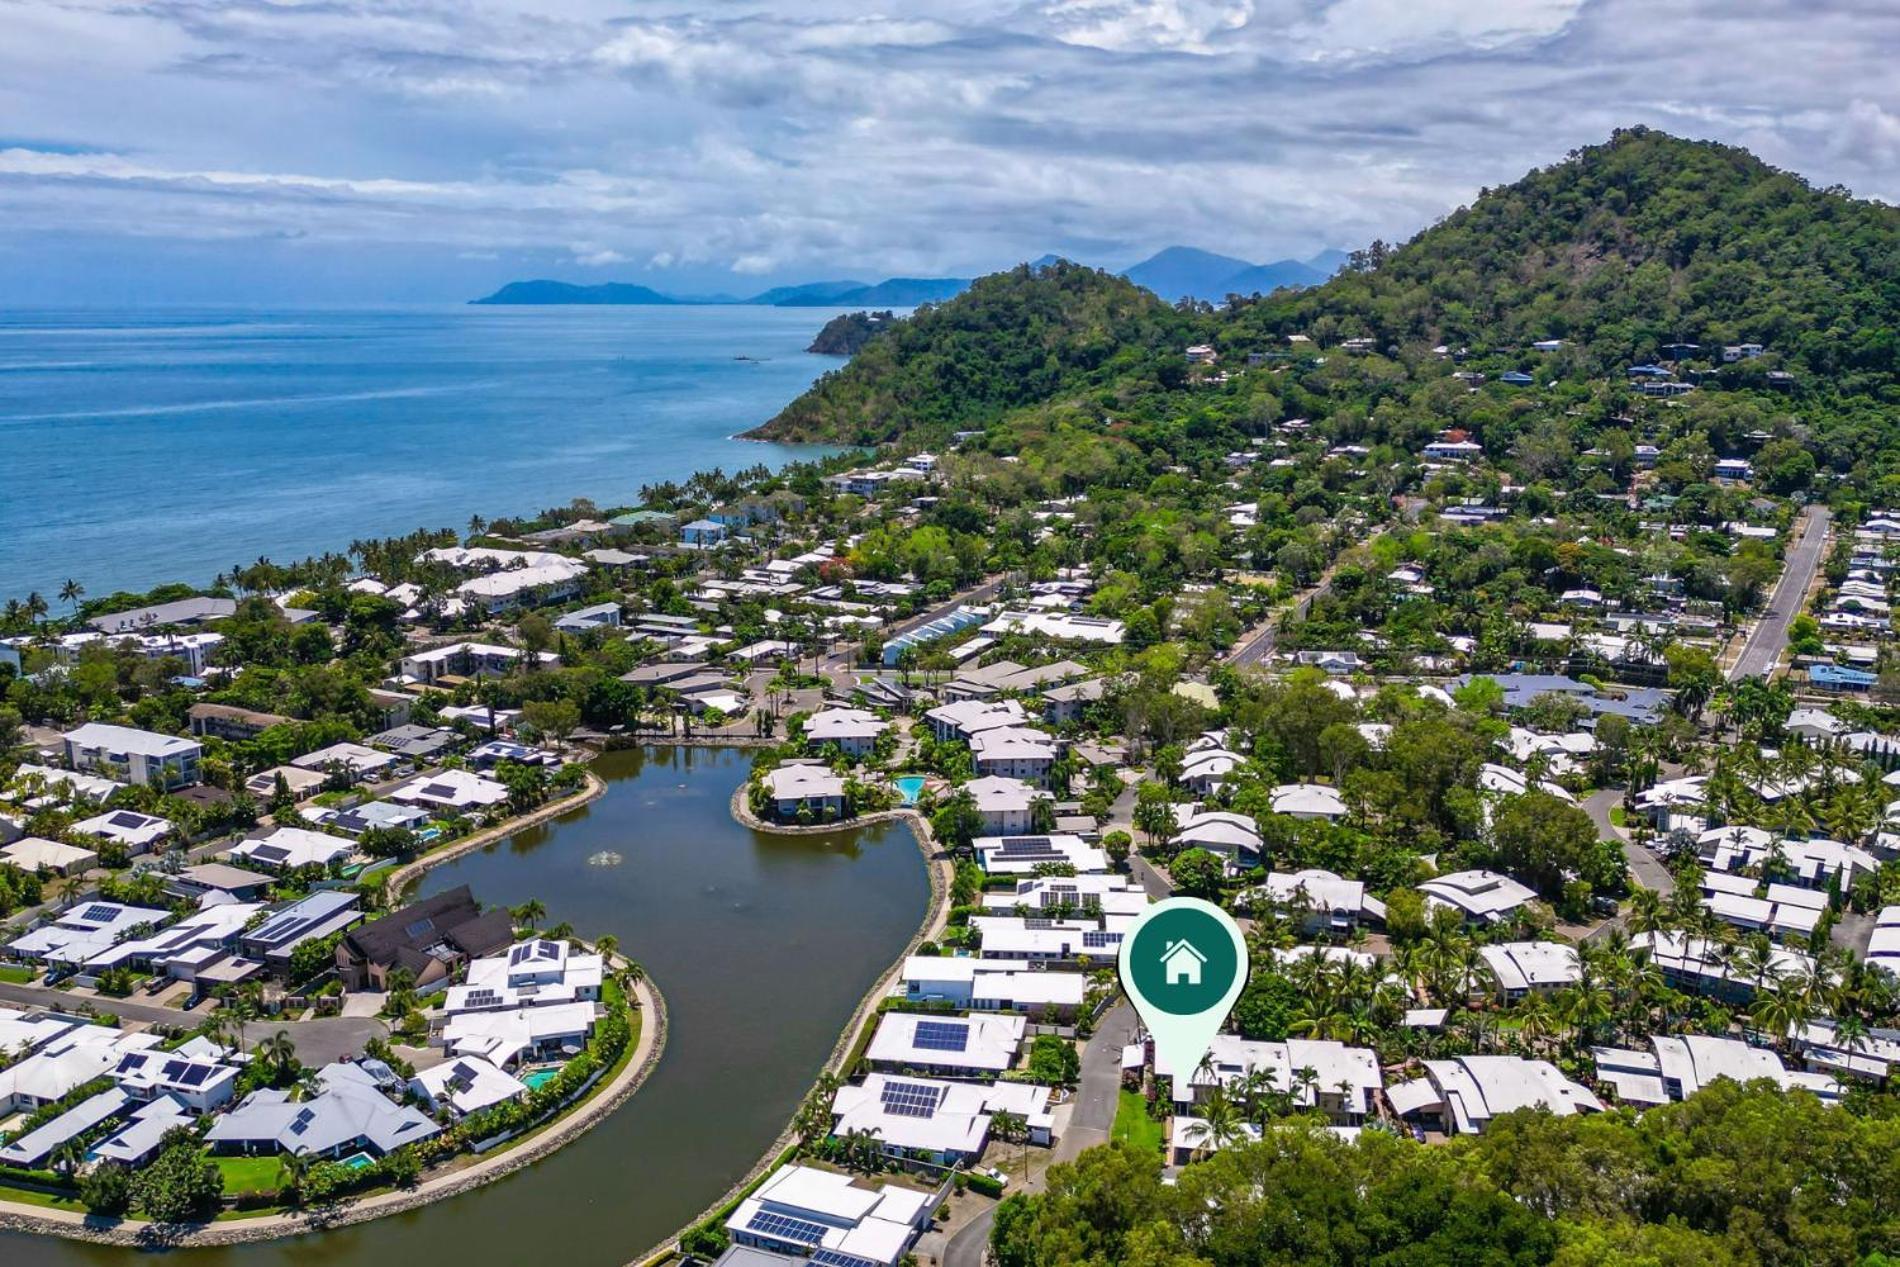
x=1007, y=806
x=1021, y=855
x=323, y=914
x=225, y=721
x=1462, y=1096
x=1327, y=902
x=350, y=1112
x=988, y=985
x=1483, y=897
x=452, y=792
x=929, y=1119
x=946, y=1046
x=287, y=849
x=854, y=730
x=430, y=939
x=804, y=787
x=826, y=1217
x=139, y=756
x=465, y=1085
x=1677, y=1067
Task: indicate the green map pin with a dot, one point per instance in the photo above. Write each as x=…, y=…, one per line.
x=1184, y=965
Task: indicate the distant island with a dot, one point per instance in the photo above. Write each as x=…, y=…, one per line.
x=847, y=332
x=1178, y=272
x=894, y=292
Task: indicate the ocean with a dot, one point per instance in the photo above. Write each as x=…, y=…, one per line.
x=141, y=448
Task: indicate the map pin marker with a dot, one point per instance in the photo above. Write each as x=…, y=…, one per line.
x=1184, y=965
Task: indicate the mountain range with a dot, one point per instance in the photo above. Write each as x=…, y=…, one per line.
x=1175, y=273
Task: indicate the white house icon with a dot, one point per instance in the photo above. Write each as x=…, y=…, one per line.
x=1183, y=963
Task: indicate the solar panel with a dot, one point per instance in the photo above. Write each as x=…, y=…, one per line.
x=910, y=1099
x=99, y=913
x=942, y=1036
x=124, y=819
x=1100, y=940
x=823, y=1257
x=779, y=1227
x=420, y=927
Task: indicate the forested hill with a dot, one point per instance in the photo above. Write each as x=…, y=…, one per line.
x=1013, y=339
x=1621, y=248
x=1618, y=250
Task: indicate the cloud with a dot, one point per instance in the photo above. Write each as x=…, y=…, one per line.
x=702, y=139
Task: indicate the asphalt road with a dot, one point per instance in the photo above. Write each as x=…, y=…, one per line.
x=1770, y=635
x=125, y=1009
x=1645, y=866
x=1258, y=644
x=1091, y=1122
x=318, y=1042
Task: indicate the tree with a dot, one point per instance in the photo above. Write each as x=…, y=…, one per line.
x=956, y=821
x=1053, y=1062
x=71, y=592
x=180, y=1185
x=1198, y=873
x=530, y=913
x=1543, y=841
x=106, y=1190
x=556, y=718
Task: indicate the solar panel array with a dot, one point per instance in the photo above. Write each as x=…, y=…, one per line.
x=823, y=1257
x=910, y=1099
x=942, y=1036
x=482, y=996
x=1098, y=940
x=1026, y=848
x=99, y=913
x=779, y=1227
x=125, y=818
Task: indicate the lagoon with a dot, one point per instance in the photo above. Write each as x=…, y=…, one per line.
x=170, y=445
x=763, y=946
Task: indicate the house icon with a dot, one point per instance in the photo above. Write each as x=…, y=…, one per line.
x=1182, y=963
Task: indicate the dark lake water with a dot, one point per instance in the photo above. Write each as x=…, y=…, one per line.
x=762, y=945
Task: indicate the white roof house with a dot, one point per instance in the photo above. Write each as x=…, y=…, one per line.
x=539, y=972
x=1706, y=966
x=1344, y=1079
x=1678, y=1067
x=33, y=854
x=349, y=1113
x=990, y=985
x=803, y=781
x=1059, y=626
x=83, y=931
x=1007, y=805
x=291, y=848
x=66, y=1062
x=854, y=730
x=213, y=928
x=137, y=832
x=467, y=1084
x=1466, y=1093
x=455, y=790
x=1308, y=800
x=804, y=1211
x=1342, y=902
x=950, y=1045
x=1523, y=966
x=965, y=718
x=507, y=1037
x=929, y=1117
x=1235, y=837
x=141, y=755
x=1484, y=896
x=1013, y=751
x=64, y=785
x=1099, y=894
x=1021, y=855
x=352, y=759
x=1205, y=769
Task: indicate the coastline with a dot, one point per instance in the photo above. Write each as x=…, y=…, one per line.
x=941, y=871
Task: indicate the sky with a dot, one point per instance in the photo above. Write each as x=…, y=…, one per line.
x=335, y=151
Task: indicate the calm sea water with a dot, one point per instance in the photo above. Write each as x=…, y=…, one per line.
x=152, y=447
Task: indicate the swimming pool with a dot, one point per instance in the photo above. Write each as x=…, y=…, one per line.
x=538, y=1078
x=909, y=786
x=359, y=1161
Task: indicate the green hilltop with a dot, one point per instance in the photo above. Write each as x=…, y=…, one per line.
x=1618, y=250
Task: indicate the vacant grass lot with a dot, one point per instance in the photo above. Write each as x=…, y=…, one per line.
x=1133, y=1124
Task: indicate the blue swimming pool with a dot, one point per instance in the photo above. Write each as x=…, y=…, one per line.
x=539, y=1078
x=909, y=786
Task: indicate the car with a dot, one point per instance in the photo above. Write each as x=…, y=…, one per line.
x=993, y=1172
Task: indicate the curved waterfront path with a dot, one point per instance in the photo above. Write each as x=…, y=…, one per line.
x=765, y=946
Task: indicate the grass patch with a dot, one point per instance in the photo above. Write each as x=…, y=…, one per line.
x=1618, y=816
x=15, y=974
x=1134, y=1126
x=31, y=1196
x=249, y=1174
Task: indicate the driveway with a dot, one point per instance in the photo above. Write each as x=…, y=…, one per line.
x=1769, y=638
x=1645, y=866
x=1091, y=1122
x=322, y=1041
x=124, y=1009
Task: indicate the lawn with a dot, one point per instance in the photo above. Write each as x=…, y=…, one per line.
x=249, y=1174
x=16, y=974
x=1133, y=1124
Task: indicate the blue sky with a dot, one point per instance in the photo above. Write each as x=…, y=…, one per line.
x=331, y=150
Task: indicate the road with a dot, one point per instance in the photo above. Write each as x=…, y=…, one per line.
x=1091, y=1121
x=1644, y=865
x=125, y=1009
x=1258, y=644
x=1770, y=636
x=318, y=1042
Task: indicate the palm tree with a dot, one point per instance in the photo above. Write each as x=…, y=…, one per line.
x=36, y=606
x=292, y=1168
x=280, y=1053
x=69, y=1156
x=607, y=944
x=530, y=912
x=1221, y=1122
x=71, y=592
